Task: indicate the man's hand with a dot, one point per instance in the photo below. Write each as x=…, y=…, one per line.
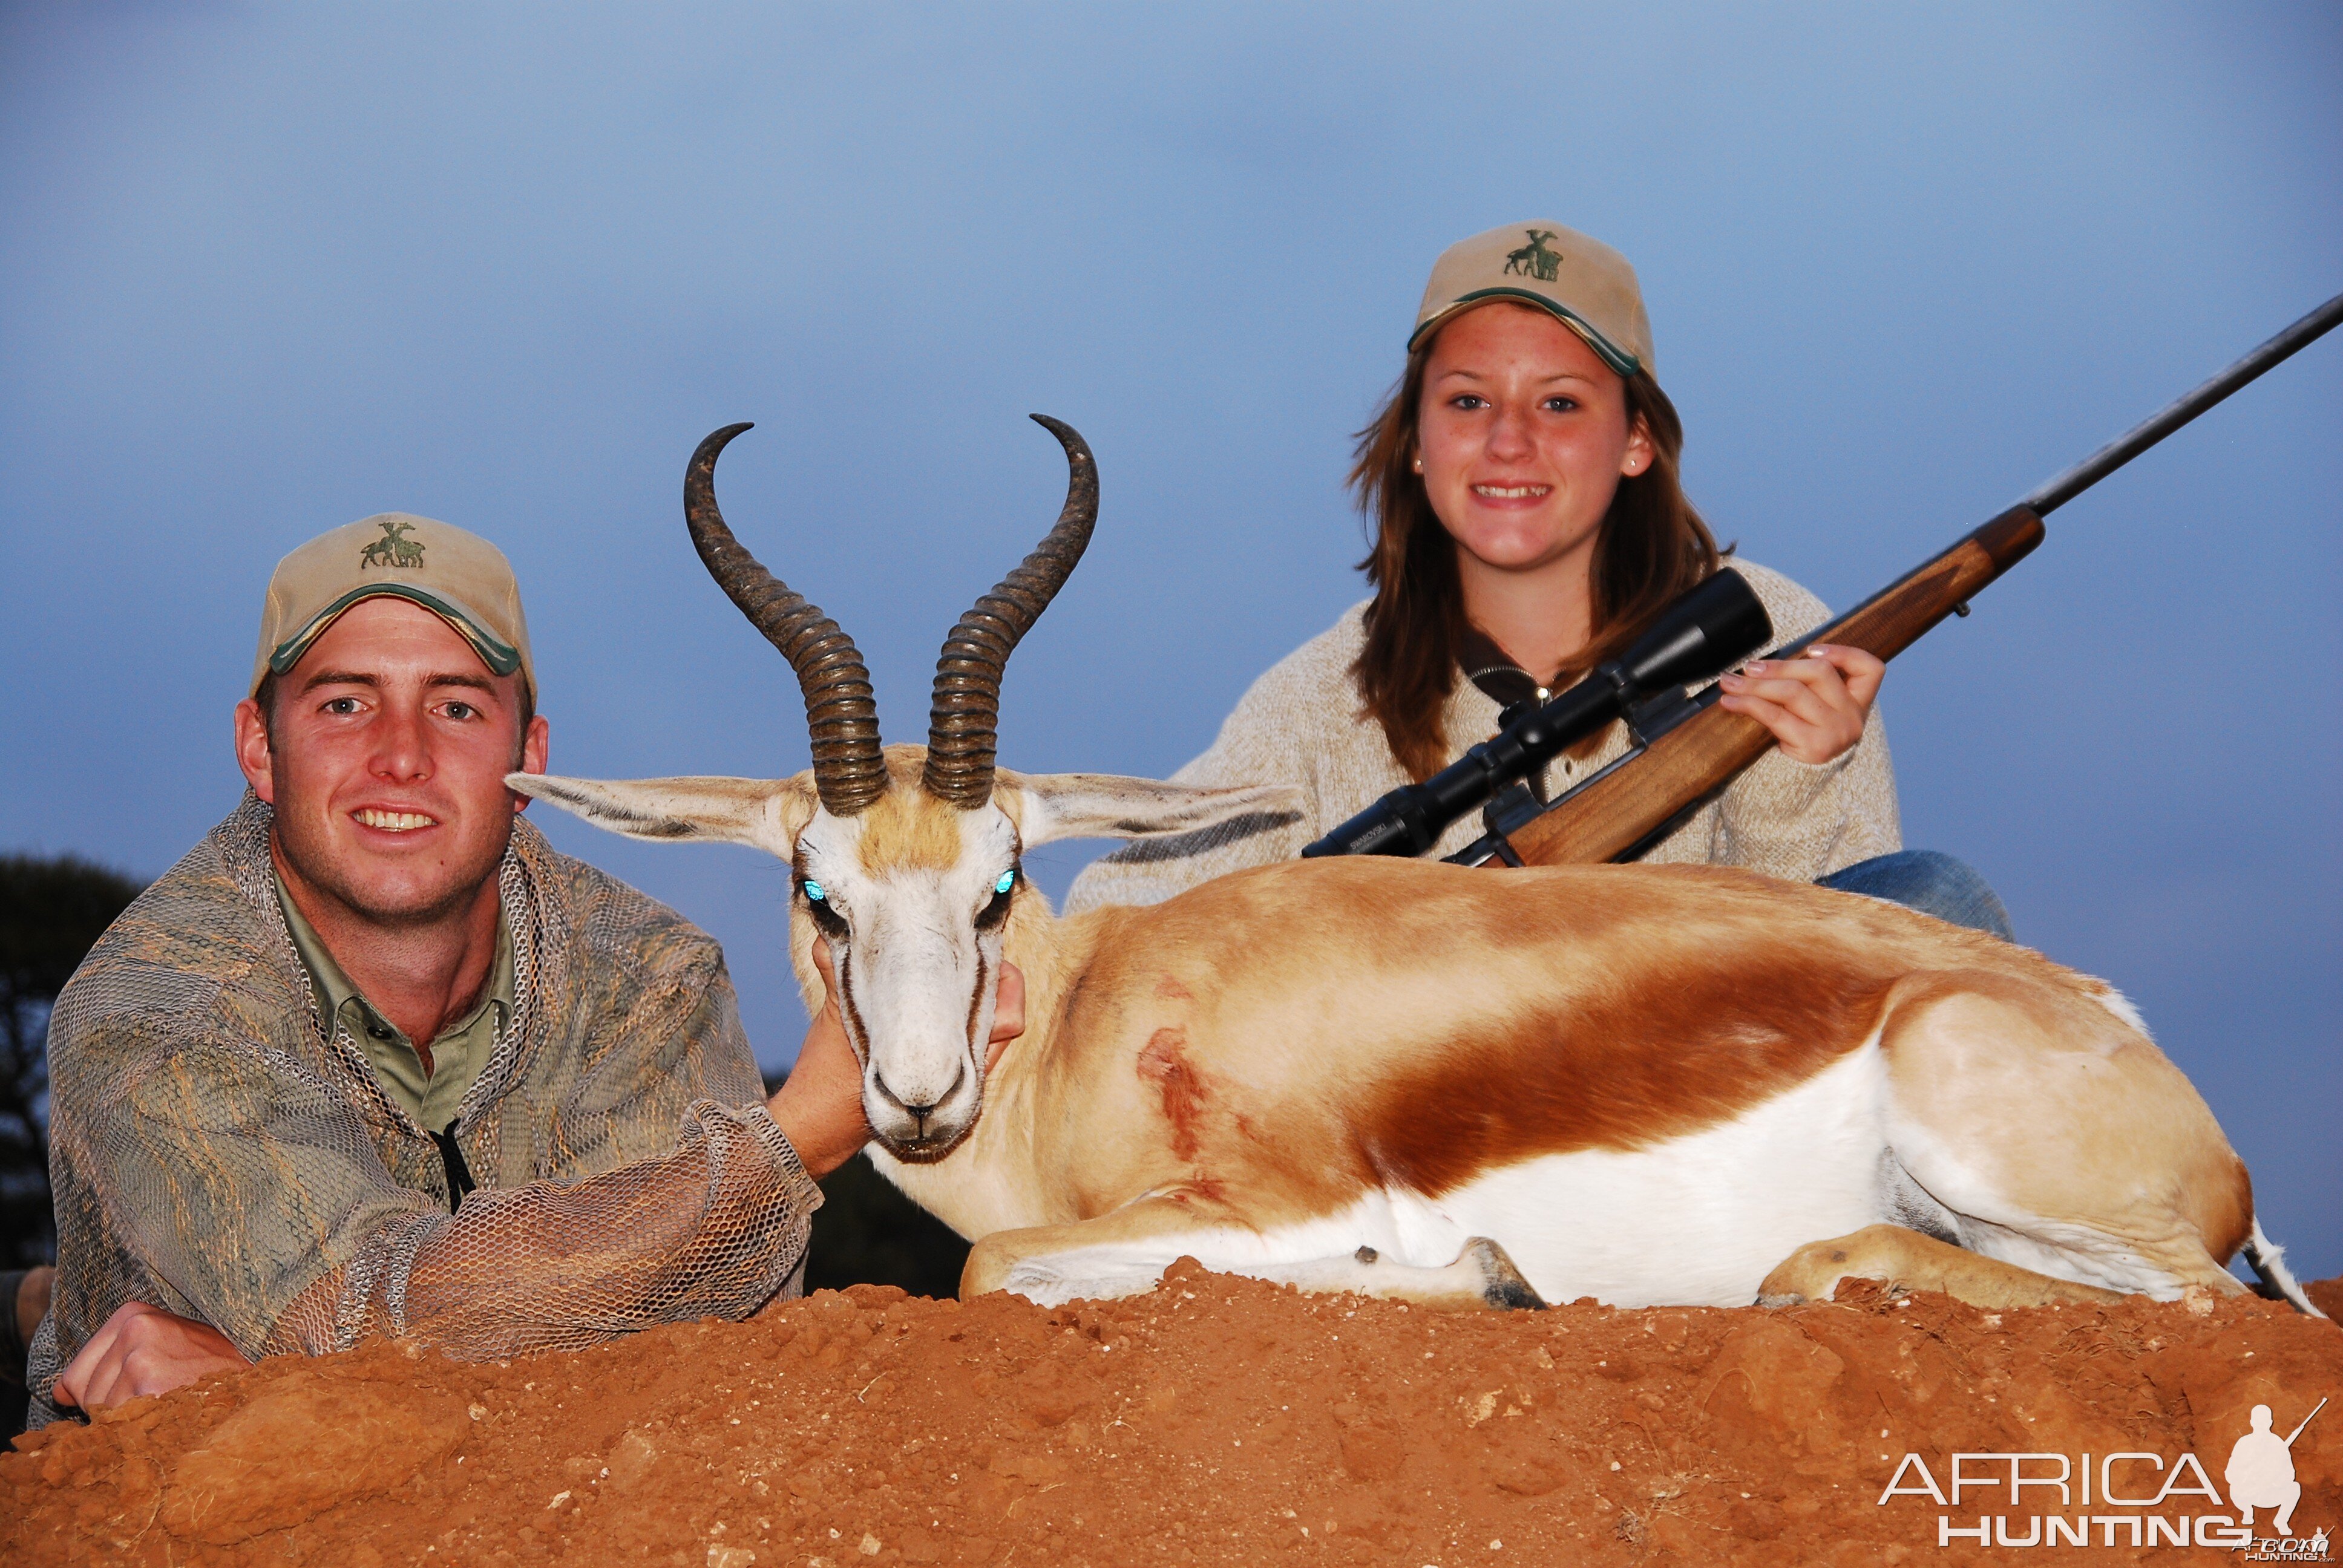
x=1815, y=705
x=820, y=1105
x=1007, y=1013
x=144, y=1349
x=819, y=1108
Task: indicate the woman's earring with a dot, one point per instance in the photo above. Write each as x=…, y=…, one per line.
x=1418, y=465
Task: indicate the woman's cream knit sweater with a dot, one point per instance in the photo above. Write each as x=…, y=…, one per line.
x=1300, y=725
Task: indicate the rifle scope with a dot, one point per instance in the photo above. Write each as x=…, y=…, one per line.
x=1703, y=633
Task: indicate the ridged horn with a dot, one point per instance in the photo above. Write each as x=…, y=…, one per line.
x=964, y=718
x=848, y=769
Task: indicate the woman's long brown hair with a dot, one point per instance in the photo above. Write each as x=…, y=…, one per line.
x=1652, y=548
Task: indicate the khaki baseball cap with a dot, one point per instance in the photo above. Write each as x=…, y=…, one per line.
x=460, y=577
x=1582, y=280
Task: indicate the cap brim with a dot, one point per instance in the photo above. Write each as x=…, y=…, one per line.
x=500, y=657
x=1611, y=354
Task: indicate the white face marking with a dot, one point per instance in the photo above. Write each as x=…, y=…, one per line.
x=917, y=952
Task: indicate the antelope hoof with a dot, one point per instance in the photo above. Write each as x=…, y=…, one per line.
x=1502, y=1286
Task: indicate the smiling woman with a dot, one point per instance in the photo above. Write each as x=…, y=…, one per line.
x=1492, y=471
x=1520, y=481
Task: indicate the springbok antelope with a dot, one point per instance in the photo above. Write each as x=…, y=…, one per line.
x=1647, y=1085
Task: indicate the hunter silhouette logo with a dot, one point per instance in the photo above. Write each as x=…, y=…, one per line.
x=2261, y=1472
x=393, y=549
x=1534, y=259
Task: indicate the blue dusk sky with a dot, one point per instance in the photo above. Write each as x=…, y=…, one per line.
x=268, y=268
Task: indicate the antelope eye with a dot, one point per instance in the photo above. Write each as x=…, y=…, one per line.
x=824, y=911
x=996, y=909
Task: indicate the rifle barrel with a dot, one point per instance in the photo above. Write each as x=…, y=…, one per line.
x=2157, y=426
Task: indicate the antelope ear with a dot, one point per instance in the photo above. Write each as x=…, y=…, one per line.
x=765, y=813
x=1048, y=805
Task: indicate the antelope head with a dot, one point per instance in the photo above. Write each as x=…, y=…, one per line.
x=905, y=860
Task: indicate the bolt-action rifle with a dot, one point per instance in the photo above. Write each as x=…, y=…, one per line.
x=1685, y=750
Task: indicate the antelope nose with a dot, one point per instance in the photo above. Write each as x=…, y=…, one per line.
x=919, y=1111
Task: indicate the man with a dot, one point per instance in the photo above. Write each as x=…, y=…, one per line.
x=373, y=1059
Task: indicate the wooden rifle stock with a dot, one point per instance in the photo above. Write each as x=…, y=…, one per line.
x=1620, y=811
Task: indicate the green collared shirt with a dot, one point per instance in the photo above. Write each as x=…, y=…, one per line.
x=458, y=1055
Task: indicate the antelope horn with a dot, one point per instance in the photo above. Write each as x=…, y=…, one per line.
x=964, y=718
x=848, y=769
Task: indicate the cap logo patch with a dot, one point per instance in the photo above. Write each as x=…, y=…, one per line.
x=1534, y=259
x=393, y=549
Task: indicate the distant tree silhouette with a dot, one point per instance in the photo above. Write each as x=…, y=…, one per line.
x=866, y=1232
x=52, y=909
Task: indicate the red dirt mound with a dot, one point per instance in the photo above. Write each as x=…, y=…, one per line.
x=1216, y=1421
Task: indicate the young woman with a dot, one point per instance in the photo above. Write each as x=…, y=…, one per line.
x=1523, y=481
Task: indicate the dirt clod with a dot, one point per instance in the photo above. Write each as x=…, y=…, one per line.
x=1215, y=1421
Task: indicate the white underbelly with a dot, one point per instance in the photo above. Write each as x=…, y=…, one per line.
x=1696, y=1220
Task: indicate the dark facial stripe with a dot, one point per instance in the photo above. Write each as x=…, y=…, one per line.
x=858, y=1034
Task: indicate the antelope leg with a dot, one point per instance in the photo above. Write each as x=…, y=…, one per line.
x=1482, y=1276
x=1896, y=1256
x=1125, y=1251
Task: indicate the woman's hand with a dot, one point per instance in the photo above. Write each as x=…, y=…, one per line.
x=819, y=1108
x=1815, y=705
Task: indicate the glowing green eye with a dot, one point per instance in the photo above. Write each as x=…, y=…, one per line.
x=813, y=891
x=1008, y=881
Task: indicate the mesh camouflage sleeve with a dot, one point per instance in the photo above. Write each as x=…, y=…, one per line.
x=658, y=1229
x=715, y=1229
x=224, y=1178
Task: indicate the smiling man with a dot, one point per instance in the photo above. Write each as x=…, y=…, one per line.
x=374, y=1058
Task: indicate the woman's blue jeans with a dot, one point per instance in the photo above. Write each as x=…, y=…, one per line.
x=1933, y=883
